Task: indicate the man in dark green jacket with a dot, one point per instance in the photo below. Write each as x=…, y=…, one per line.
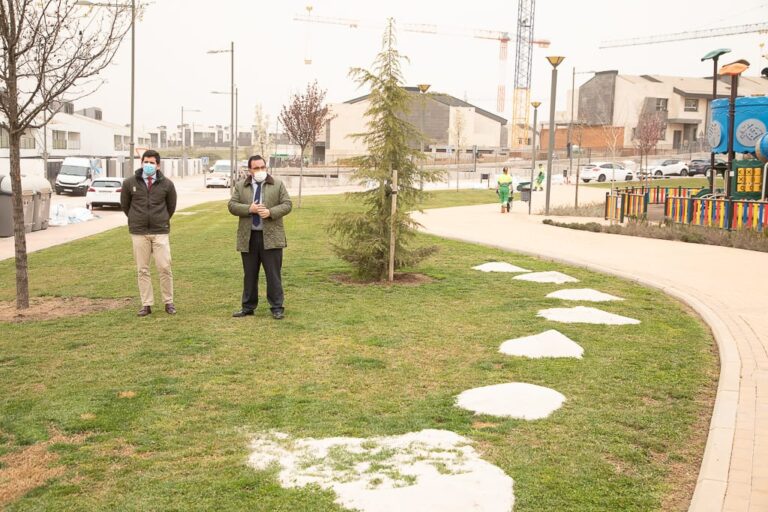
x=148, y=198
x=261, y=202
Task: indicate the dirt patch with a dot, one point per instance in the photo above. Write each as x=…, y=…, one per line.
x=402, y=279
x=29, y=468
x=51, y=308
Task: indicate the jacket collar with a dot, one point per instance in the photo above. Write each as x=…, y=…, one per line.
x=158, y=175
x=249, y=180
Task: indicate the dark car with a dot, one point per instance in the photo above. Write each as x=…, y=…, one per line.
x=702, y=166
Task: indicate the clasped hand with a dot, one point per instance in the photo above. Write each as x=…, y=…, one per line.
x=259, y=209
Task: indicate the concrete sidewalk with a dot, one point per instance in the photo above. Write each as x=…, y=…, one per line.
x=734, y=472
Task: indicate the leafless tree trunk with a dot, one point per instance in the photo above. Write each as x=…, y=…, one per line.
x=51, y=49
x=303, y=118
x=650, y=126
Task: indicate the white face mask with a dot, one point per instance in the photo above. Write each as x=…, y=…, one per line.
x=259, y=176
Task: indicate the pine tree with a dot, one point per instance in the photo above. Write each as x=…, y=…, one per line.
x=362, y=237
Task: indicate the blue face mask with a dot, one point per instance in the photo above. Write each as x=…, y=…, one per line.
x=149, y=170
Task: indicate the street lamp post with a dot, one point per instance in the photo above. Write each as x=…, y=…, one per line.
x=231, y=51
x=183, y=140
x=423, y=88
x=234, y=162
x=535, y=105
x=554, y=61
x=714, y=55
x=570, y=125
x=88, y=3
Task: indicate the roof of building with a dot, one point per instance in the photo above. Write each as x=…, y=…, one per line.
x=701, y=87
x=445, y=99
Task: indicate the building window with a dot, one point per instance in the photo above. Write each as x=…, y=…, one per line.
x=5, y=140
x=118, y=143
x=28, y=140
x=691, y=105
x=73, y=140
x=661, y=104
x=59, y=139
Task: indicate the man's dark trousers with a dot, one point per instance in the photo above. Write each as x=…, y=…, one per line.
x=272, y=261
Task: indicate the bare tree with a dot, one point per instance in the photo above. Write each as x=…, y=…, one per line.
x=261, y=131
x=52, y=51
x=459, y=136
x=649, y=130
x=302, y=119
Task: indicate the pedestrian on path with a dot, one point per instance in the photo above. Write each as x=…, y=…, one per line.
x=503, y=186
x=260, y=201
x=148, y=199
x=540, y=178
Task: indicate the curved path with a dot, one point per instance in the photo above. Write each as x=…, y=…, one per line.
x=727, y=287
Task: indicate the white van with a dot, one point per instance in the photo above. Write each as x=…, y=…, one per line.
x=76, y=174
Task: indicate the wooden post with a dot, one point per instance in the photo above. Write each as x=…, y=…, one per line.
x=391, y=276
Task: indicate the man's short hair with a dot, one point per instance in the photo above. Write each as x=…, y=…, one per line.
x=256, y=157
x=151, y=153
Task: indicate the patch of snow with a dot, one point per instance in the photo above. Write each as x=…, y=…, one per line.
x=415, y=472
x=585, y=315
x=512, y=400
x=499, y=266
x=547, y=277
x=585, y=294
x=547, y=344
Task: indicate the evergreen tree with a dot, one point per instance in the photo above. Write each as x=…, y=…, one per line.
x=362, y=237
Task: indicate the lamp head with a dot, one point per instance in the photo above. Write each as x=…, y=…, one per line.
x=714, y=54
x=535, y=104
x=423, y=88
x=734, y=68
x=555, y=60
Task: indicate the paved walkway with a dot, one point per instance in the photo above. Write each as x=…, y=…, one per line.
x=734, y=472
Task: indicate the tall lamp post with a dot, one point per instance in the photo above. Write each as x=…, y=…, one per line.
x=734, y=70
x=713, y=55
x=88, y=3
x=183, y=140
x=554, y=61
x=423, y=88
x=535, y=105
x=231, y=53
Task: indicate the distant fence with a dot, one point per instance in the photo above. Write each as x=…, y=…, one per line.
x=622, y=205
x=718, y=213
x=657, y=194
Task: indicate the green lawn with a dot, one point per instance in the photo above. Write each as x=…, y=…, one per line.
x=348, y=360
x=694, y=182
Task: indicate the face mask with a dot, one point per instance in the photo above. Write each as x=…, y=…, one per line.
x=259, y=176
x=149, y=169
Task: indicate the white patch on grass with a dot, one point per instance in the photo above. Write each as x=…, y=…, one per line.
x=585, y=315
x=585, y=294
x=415, y=472
x=547, y=277
x=547, y=344
x=512, y=400
x=499, y=266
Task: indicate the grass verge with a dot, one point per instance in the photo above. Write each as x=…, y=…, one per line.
x=585, y=210
x=167, y=404
x=693, y=182
x=738, y=239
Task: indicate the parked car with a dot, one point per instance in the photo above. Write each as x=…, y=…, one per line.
x=602, y=171
x=220, y=175
x=670, y=167
x=75, y=175
x=702, y=166
x=104, y=192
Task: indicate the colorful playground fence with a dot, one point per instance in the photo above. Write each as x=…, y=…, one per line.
x=718, y=213
x=621, y=205
x=657, y=194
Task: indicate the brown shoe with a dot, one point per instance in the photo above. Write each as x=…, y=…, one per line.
x=144, y=311
x=170, y=309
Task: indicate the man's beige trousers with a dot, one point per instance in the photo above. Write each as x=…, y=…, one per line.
x=144, y=246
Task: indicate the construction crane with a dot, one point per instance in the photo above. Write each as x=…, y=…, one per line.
x=502, y=37
x=518, y=132
x=692, y=34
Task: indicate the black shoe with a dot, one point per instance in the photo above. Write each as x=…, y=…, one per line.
x=170, y=309
x=242, y=313
x=144, y=311
x=278, y=315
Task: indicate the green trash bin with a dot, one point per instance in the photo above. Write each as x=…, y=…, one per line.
x=524, y=187
x=6, y=205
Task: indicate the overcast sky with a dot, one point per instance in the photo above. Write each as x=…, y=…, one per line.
x=173, y=68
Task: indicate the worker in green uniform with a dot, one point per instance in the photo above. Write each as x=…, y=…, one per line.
x=503, y=186
x=540, y=179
